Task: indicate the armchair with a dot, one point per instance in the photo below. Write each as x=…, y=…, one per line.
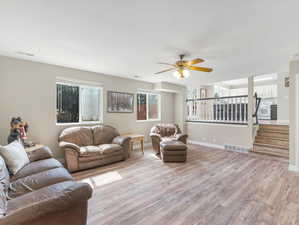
x=166, y=132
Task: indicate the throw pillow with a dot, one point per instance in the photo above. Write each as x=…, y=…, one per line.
x=14, y=156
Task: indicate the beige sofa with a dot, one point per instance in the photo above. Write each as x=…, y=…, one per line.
x=87, y=147
x=42, y=192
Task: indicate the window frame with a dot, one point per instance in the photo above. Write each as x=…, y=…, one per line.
x=147, y=93
x=80, y=85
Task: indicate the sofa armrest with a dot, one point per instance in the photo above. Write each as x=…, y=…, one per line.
x=48, y=200
x=182, y=138
x=69, y=145
x=39, y=154
x=156, y=139
x=123, y=141
x=155, y=135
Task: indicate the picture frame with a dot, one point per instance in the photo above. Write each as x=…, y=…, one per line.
x=120, y=102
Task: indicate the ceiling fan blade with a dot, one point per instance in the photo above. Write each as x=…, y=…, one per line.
x=194, y=61
x=168, y=64
x=163, y=71
x=203, y=69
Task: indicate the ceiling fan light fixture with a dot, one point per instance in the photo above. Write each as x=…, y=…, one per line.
x=181, y=74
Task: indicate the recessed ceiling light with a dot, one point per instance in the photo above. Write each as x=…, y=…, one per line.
x=25, y=53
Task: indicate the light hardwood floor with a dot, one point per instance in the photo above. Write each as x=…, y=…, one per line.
x=214, y=187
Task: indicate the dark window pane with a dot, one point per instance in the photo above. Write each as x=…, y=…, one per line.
x=141, y=106
x=67, y=108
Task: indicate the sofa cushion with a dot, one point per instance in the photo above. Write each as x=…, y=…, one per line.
x=103, y=134
x=81, y=136
x=173, y=146
x=89, y=158
x=4, y=185
x=109, y=148
x=37, y=167
x=165, y=130
x=14, y=156
x=103, y=149
x=39, y=180
x=170, y=138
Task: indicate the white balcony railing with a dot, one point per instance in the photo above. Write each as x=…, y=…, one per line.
x=229, y=110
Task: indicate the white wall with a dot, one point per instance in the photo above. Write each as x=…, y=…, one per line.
x=27, y=89
x=282, y=99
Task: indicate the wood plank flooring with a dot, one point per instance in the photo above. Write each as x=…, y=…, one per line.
x=214, y=187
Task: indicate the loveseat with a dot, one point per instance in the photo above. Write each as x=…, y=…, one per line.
x=166, y=132
x=42, y=192
x=87, y=147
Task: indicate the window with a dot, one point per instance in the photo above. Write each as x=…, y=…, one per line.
x=78, y=103
x=148, y=106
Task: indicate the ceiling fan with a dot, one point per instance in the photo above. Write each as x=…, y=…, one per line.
x=182, y=67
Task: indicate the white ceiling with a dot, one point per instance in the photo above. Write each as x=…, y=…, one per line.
x=127, y=38
x=268, y=78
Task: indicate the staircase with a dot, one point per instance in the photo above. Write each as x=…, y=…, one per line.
x=272, y=140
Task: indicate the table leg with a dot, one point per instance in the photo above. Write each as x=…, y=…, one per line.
x=130, y=148
x=141, y=142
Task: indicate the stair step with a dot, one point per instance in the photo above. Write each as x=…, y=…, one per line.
x=270, y=151
x=277, y=136
x=277, y=131
x=272, y=142
x=267, y=145
x=275, y=127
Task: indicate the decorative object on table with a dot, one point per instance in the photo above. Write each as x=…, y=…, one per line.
x=14, y=156
x=18, y=131
x=120, y=102
x=135, y=138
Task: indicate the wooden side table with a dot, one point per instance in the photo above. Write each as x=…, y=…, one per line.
x=135, y=138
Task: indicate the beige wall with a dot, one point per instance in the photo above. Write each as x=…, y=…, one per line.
x=220, y=134
x=27, y=89
x=293, y=115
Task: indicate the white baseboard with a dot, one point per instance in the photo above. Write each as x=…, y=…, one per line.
x=293, y=168
x=206, y=144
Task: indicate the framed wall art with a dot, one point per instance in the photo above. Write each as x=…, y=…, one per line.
x=120, y=102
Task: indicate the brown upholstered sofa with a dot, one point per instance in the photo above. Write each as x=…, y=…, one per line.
x=87, y=147
x=166, y=132
x=42, y=192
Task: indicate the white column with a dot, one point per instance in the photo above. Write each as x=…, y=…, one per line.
x=293, y=116
x=250, y=108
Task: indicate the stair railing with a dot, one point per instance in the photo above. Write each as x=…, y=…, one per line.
x=225, y=110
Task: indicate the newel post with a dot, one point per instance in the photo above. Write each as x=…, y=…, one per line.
x=250, y=112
